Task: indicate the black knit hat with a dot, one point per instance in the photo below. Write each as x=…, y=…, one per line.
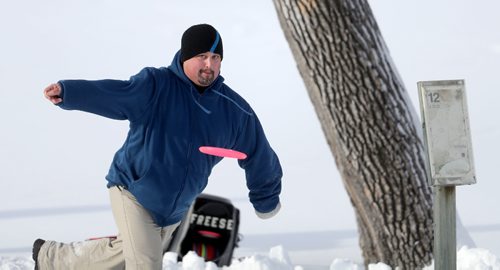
x=198, y=39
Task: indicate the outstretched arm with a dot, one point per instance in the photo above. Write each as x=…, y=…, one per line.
x=115, y=99
x=53, y=93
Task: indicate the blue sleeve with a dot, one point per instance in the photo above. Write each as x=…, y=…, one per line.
x=262, y=167
x=114, y=99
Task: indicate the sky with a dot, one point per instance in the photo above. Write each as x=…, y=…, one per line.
x=54, y=162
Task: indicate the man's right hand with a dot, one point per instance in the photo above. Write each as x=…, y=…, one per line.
x=53, y=93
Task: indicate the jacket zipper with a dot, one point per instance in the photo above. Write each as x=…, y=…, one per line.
x=183, y=184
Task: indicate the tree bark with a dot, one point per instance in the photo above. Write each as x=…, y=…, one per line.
x=369, y=122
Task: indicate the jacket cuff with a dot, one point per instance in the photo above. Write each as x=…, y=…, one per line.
x=269, y=214
x=61, y=95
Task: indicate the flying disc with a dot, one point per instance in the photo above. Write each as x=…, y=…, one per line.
x=209, y=234
x=222, y=152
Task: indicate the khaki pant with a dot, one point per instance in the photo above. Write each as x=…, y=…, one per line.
x=138, y=245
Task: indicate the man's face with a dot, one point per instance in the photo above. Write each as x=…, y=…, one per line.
x=203, y=68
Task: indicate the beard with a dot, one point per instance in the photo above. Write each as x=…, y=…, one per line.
x=206, y=77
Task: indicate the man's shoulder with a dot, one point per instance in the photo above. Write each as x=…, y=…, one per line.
x=155, y=71
x=235, y=97
x=159, y=74
x=226, y=90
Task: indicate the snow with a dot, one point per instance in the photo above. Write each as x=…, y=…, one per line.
x=53, y=161
x=278, y=259
x=477, y=258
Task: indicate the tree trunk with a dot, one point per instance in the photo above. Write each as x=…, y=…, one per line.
x=369, y=122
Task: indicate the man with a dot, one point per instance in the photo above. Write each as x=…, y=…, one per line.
x=158, y=172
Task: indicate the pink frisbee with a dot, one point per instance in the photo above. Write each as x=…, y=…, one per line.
x=209, y=234
x=222, y=152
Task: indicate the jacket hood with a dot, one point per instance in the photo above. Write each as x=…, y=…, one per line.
x=177, y=69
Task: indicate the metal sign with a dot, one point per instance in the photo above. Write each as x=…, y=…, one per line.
x=445, y=122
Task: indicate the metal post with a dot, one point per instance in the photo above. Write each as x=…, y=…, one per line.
x=445, y=246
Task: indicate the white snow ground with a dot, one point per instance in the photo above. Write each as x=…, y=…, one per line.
x=53, y=162
x=279, y=259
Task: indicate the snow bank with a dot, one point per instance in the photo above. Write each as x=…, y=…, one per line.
x=474, y=259
x=278, y=259
x=18, y=263
x=477, y=258
x=467, y=259
x=344, y=264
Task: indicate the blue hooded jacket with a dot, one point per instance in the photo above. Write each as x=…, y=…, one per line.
x=160, y=163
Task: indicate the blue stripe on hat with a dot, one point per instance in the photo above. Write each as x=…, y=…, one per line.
x=217, y=38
